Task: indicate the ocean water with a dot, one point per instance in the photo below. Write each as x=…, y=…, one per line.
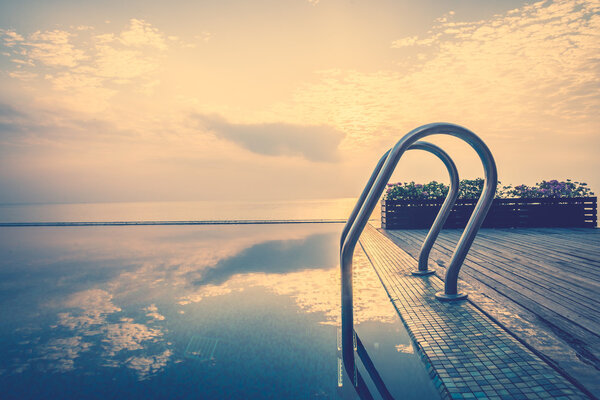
x=327, y=209
x=189, y=312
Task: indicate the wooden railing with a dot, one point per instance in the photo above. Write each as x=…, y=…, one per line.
x=575, y=212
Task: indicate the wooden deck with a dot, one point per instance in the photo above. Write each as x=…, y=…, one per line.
x=553, y=274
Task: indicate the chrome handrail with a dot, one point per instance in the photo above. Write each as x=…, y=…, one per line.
x=425, y=249
x=359, y=222
x=362, y=198
x=444, y=212
x=440, y=219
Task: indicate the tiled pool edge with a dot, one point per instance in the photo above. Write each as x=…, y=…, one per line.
x=437, y=380
x=568, y=354
x=535, y=351
x=407, y=294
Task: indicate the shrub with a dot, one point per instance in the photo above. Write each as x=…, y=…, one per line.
x=472, y=188
x=552, y=189
x=432, y=190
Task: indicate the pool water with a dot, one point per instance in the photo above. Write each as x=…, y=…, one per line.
x=182, y=312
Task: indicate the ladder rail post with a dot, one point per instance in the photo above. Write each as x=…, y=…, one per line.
x=445, y=210
x=347, y=302
x=355, y=226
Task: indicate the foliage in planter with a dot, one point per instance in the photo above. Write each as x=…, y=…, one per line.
x=415, y=191
x=550, y=189
x=471, y=189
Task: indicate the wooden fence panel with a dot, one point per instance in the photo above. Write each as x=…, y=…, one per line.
x=576, y=212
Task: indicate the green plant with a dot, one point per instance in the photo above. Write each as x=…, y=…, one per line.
x=416, y=191
x=551, y=189
x=472, y=188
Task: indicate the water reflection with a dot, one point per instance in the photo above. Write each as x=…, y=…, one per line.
x=270, y=294
x=61, y=353
x=373, y=373
x=90, y=320
x=276, y=257
x=314, y=291
x=118, y=319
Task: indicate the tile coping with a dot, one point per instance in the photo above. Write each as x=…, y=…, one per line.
x=467, y=355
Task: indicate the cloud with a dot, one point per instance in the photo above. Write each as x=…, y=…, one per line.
x=153, y=312
x=147, y=366
x=404, y=42
x=274, y=264
x=10, y=38
x=23, y=75
x=9, y=111
x=205, y=36
x=141, y=33
x=87, y=69
x=19, y=127
x=128, y=336
x=413, y=41
x=95, y=304
x=526, y=81
x=12, y=122
x=53, y=48
x=314, y=143
x=122, y=65
x=534, y=69
x=517, y=78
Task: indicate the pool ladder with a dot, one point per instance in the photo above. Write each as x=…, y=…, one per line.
x=350, y=342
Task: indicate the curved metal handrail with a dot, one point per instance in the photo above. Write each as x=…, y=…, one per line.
x=427, y=244
x=362, y=198
x=425, y=249
x=361, y=219
x=444, y=212
x=442, y=215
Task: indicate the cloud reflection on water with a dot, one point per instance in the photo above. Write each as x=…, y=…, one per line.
x=313, y=290
x=62, y=352
x=90, y=319
x=276, y=257
x=123, y=322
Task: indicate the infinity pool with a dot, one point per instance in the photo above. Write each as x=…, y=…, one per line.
x=185, y=312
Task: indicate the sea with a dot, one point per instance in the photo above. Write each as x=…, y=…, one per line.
x=319, y=210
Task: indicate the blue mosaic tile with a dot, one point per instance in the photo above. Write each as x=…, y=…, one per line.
x=472, y=357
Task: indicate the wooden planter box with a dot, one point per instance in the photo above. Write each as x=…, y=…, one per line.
x=576, y=212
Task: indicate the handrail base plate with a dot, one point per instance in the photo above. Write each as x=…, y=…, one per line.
x=442, y=296
x=426, y=272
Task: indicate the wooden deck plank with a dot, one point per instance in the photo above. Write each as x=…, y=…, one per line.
x=550, y=272
x=575, y=281
x=575, y=274
x=550, y=257
x=546, y=272
x=440, y=336
x=562, y=248
x=579, y=293
x=527, y=291
x=538, y=277
x=555, y=273
x=566, y=245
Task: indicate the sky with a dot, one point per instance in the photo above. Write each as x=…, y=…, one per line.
x=287, y=100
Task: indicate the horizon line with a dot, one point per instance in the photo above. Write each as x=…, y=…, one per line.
x=205, y=222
